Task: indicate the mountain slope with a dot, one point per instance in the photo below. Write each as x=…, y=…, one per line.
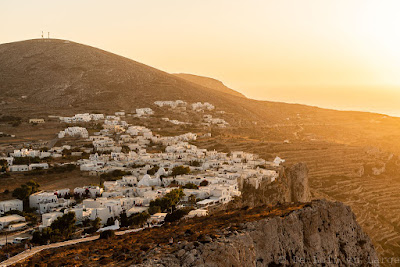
x=48, y=75
x=209, y=82
x=63, y=73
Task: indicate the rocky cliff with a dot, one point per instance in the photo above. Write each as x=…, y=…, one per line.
x=322, y=233
x=297, y=180
x=291, y=186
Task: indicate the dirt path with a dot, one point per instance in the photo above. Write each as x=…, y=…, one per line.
x=34, y=250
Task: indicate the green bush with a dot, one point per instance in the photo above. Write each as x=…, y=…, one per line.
x=94, y=225
x=204, y=183
x=10, y=118
x=153, y=170
x=154, y=209
x=180, y=170
x=176, y=215
x=107, y=234
x=61, y=229
x=26, y=160
x=169, y=200
x=190, y=186
x=137, y=219
x=195, y=163
x=62, y=168
x=26, y=190
x=114, y=175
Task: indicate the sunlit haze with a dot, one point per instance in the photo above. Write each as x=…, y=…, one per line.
x=341, y=54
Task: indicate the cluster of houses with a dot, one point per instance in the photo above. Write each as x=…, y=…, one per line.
x=209, y=120
x=182, y=105
x=171, y=104
x=85, y=117
x=55, y=152
x=28, y=167
x=199, y=106
x=74, y=132
x=176, y=122
x=209, y=177
x=24, y=152
x=141, y=112
x=215, y=178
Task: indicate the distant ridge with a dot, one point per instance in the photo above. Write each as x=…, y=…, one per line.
x=209, y=82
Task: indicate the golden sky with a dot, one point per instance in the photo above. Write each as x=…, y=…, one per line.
x=342, y=54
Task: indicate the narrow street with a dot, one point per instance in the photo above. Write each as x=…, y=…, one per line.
x=11, y=237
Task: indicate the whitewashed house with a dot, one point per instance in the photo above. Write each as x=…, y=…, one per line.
x=10, y=219
x=74, y=132
x=91, y=191
x=38, y=166
x=140, y=112
x=18, y=168
x=148, y=181
x=49, y=218
x=8, y=205
x=278, y=161
x=198, y=106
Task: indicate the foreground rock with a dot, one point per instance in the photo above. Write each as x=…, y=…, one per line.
x=323, y=233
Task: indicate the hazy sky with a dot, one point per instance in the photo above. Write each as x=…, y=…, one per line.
x=343, y=54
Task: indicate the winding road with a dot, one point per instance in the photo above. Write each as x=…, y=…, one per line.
x=29, y=253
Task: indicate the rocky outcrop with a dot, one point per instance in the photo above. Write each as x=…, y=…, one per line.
x=291, y=186
x=320, y=234
x=297, y=179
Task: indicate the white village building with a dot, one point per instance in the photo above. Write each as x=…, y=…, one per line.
x=8, y=205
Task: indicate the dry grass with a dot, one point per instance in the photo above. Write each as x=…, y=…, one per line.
x=132, y=248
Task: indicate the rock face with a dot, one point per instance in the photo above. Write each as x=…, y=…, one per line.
x=321, y=234
x=297, y=177
x=291, y=186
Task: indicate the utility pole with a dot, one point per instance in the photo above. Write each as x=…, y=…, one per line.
x=6, y=243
